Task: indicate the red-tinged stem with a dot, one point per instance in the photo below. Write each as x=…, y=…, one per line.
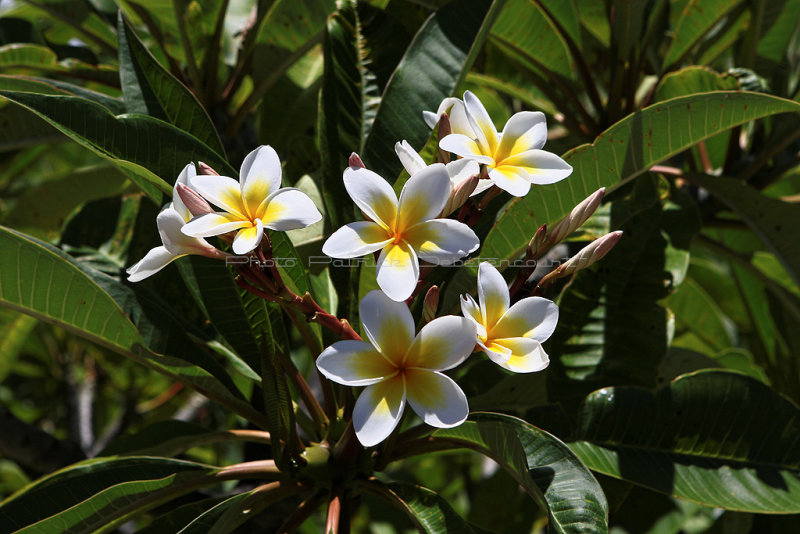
x=317, y=413
x=334, y=514
x=257, y=469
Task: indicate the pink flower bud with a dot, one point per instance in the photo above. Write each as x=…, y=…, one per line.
x=535, y=245
x=589, y=255
x=196, y=204
x=206, y=169
x=355, y=161
x=579, y=215
x=430, y=304
x=460, y=194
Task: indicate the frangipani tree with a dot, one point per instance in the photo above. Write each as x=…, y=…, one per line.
x=382, y=290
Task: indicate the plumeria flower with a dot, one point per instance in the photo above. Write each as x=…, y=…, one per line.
x=405, y=231
x=255, y=202
x=398, y=367
x=515, y=158
x=174, y=242
x=458, y=170
x=511, y=336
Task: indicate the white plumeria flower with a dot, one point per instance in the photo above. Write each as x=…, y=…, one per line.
x=253, y=203
x=405, y=231
x=511, y=336
x=174, y=242
x=458, y=170
x=398, y=367
x=515, y=158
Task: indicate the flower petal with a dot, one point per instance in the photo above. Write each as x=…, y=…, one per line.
x=186, y=177
x=387, y=324
x=497, y=353
x=356, y=239
x=442, y=241
x=527, y=355
x=211, y=224
x=472, y=311
x=461, y=169
x=465, y=147
x=411, y=160
x=531, y=317
x=459, y=122
x=442, y=344
x=372, y=194
x=155, y=260
x=482, y=125
x=170, y=224
x=492, y=293
x=423, y=196
x=288, y=209
x=436, y=398
x=259, y=177
x=378, y=410
x=354, y=363
x=525, y=130
x=397, y=271
x=513, y=180
x=221, y=191
x=541, y=166
x=248, y=238
x=432, y=118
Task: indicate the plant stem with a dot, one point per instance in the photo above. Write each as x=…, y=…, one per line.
x=212, y=56
x=334, y=513
x=302, y=512
x=257, y=469
x=191, y=63
x=316, y=411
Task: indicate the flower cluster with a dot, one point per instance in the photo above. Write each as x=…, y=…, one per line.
x=396, y=365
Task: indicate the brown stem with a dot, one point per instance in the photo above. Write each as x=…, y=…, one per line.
x=257, y=469
x=334, y=514
x=316, y=411
x=302, y=512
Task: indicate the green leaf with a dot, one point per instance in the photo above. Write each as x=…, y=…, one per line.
x=769, y=218
x=436, y=62
x=704, y=439
x=541, y=464
x=90, y=495
x=45, y=283
x=33, y=84
x=13, y=335
x=151, y=90
x=697, y=18
x=427, y=509
x=147, y=149
x=696, y=310
x=622, y=152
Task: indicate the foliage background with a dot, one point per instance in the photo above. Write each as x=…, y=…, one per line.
x=674, y=372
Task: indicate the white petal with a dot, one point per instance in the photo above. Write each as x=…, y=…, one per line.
x=492, y=293
x=155, y=260
x=483, y=185
x=532, y=317
x=442, y=241
x=248, y=239
x=497, y=353
x=465, y=147
x=430, y=118
x=186, y=177
x=260, y=177
x=472, y=311
x=436, y=398
x=411, y=160
x=542, y=167
x=288, y=209
x=397, y=271
x=513, y=180
x=221, y=191
x=423, y=196
x=525, y=130
x=387, y=324
x=378, y=410
x=459, y=122
x=211, y=224
x=372, y=194
x=461, y=169
x=482, y=125
x=527, y=355
x=170, y=223
x=354, y=363
x=442, y=344
x=356, y=239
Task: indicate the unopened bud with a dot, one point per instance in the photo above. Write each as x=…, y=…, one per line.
x=445, y=129
x=536, y=242
x=196, y=204
x=459, y=194
x=579, y=215
x=355, y=161
x=430, y=304
x=589, y=255
x=206, y=169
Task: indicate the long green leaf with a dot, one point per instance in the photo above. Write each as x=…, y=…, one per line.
x=436, y=62
x=704, y=438
x=543, y=466
x=697, y=18
x=43, y=282
x=89, y=495
x=151, y=90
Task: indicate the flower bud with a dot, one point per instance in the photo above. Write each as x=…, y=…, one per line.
x=579, y=215
x=196, y=204
x=590, y=254
x=536, y=242
x=355, y=161
x=444, y=130
x=430, y=304
x=206, y=169
x=459, y=194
